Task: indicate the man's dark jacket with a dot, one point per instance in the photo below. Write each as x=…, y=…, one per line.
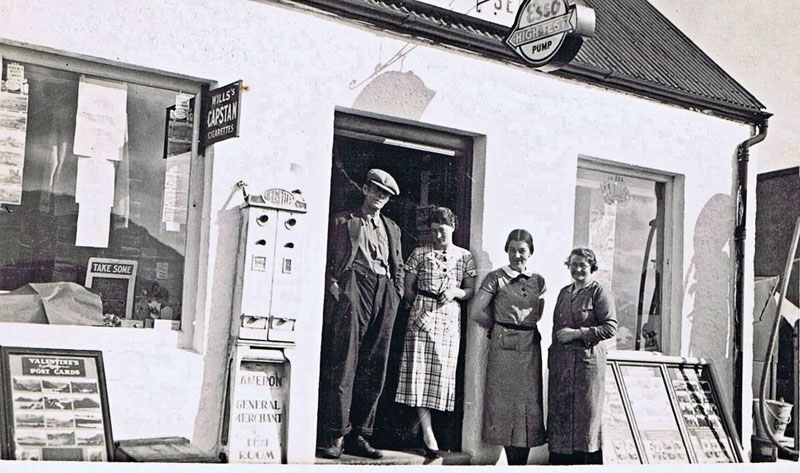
x=343, y=235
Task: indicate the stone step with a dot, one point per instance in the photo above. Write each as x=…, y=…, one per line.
x=400, y=457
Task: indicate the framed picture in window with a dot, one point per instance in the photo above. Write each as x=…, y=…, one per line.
x=54, y=405
x=114, y=281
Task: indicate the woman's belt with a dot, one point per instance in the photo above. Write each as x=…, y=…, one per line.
x=431, y=294
x=515, y=326
x=526, y=328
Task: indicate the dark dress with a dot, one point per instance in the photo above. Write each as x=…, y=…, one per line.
x=577, y=369
x=513, y=408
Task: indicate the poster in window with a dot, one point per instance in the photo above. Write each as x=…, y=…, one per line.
x=114, y=280
x=13, y=128
x=101, y=119
x=179, y=130
x=175, y=208
x=55, y=405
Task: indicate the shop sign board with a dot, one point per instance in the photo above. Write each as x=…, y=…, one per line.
x=501, y=12
x=54, y=405
x=220, y=113
x=549, y=33
x=258, y=412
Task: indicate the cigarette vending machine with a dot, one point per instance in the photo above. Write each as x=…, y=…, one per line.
x=266, y=305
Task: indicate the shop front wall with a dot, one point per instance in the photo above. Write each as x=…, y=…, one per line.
x=298, y=68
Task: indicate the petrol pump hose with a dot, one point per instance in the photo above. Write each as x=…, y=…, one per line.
x=762, y=389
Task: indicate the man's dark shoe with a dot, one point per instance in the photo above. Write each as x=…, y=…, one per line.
x=358, y=445
x=334, y=448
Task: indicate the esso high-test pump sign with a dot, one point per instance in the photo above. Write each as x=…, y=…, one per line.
x=549, y=33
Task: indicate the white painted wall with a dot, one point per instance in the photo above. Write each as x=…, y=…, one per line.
x=298, y=68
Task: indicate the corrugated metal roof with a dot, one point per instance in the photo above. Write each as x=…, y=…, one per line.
x=635, y=49
x=635, y=40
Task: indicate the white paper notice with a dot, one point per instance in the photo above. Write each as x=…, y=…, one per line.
x=94, y=224
x=101, y=119
x=94, y=182
x=182, y=106
x=176, y=191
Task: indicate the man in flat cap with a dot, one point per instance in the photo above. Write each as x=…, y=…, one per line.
x=364, y=285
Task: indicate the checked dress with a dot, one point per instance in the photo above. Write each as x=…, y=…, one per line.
x=430, y=351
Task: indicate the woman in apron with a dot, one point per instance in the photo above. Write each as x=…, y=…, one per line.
x=583, y=317
x=437, y=277
x=512, y=413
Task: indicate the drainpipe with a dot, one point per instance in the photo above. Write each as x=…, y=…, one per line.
x=740, y=233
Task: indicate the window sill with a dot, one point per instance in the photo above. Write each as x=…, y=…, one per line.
x=86, y=337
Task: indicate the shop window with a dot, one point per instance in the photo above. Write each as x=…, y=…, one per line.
x=620, y=213
x=86, y=194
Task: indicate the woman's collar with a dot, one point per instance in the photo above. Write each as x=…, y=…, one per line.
x=588, y=284
x=514, y=273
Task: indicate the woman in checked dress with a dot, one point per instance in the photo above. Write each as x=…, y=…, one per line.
x=437, y=277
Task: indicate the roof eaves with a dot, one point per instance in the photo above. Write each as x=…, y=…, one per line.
x=436, y=25
x=612, y=80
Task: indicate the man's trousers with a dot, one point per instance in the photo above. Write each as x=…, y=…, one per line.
x=356, y=335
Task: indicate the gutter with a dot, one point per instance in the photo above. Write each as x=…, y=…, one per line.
x=740, y=235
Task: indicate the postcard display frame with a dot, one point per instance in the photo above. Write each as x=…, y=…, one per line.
x=54, y=405
x=665, y=409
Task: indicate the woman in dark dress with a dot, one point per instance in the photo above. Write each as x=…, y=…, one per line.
x=583, y=317
x=509, y=303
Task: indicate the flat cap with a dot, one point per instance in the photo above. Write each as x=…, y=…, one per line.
x=384, y=180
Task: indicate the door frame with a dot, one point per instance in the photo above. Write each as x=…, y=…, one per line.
x=671, y=247
x=416, y=135
x=393, y=131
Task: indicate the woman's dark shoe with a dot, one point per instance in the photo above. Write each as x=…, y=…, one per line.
x=431, y=454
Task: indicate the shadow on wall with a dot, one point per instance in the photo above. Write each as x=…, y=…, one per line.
x=709, y=281
x=213, y=387
x=477, y=347
x=395, y=93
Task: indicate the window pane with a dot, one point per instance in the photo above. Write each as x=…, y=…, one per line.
x=40, y=233
x=616, y=216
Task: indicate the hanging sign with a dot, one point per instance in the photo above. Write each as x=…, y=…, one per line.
x=55, y=405
x=220, y=114
x=549, y=33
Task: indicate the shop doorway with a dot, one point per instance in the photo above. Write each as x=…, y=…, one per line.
x=433, y=168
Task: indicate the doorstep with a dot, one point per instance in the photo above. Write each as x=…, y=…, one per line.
x=162, y=450
x=400, y=457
